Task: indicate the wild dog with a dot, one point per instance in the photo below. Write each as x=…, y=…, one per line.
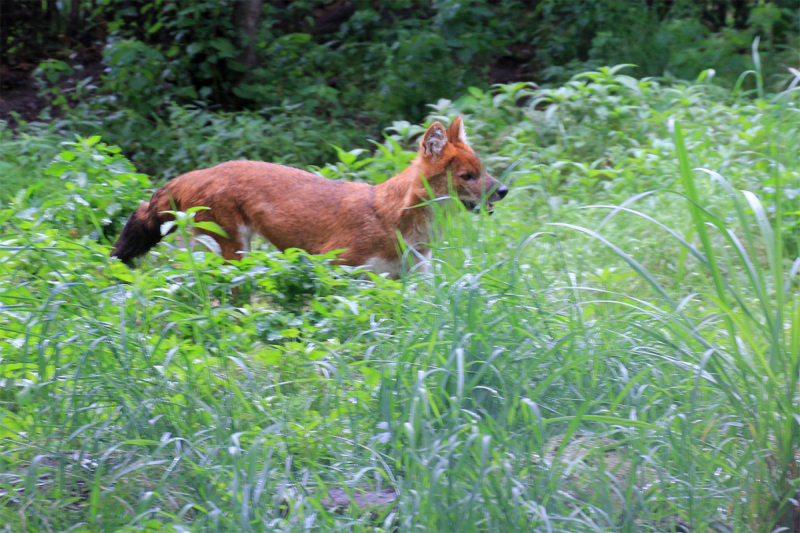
x=292, y=208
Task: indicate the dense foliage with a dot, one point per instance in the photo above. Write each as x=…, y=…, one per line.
x=146, y=73
x=625, y=366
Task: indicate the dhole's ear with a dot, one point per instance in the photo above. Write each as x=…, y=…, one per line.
x=456, y=133
x=434, y=141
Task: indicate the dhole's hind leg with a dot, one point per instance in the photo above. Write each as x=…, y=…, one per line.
x=230, y=248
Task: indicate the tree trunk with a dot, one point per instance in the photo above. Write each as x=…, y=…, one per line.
x=53, y=19
x=660, y=7
x=719, y=14
x=246, y=16
x=741, y=13
x=73, y=20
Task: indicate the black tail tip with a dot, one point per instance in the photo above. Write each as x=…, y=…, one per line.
x=125, y=252
x=138, y=236
x=127, y=261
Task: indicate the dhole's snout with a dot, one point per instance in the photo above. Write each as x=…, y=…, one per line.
x=496, y=192
x=500, y=192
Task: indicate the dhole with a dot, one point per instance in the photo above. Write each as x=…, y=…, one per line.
x=292, y=208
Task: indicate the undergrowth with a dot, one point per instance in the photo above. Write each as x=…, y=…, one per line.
x=614, y=350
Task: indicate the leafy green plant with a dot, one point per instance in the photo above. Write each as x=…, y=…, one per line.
x=98, y=190
x=136, y=77
x=48, y=74
x=24, y=154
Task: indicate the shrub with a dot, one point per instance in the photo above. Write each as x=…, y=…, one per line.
x=98, y=190
x=136, y=77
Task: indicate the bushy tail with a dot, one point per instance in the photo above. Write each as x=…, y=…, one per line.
x=141, y=232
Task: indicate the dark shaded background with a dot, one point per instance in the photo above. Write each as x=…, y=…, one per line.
x=131, y=69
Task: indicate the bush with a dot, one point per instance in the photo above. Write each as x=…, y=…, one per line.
x=136, y=77
x=98, y=190
x=24, y=155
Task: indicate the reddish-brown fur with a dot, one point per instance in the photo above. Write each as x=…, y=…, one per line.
x=292, y=208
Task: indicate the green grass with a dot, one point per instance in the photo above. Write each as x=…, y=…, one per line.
x=24, y=155
x=614, y=350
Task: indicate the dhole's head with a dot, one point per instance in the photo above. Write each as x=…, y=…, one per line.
x=445, y=153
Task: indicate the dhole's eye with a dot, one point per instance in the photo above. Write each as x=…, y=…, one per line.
x=468, y=177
